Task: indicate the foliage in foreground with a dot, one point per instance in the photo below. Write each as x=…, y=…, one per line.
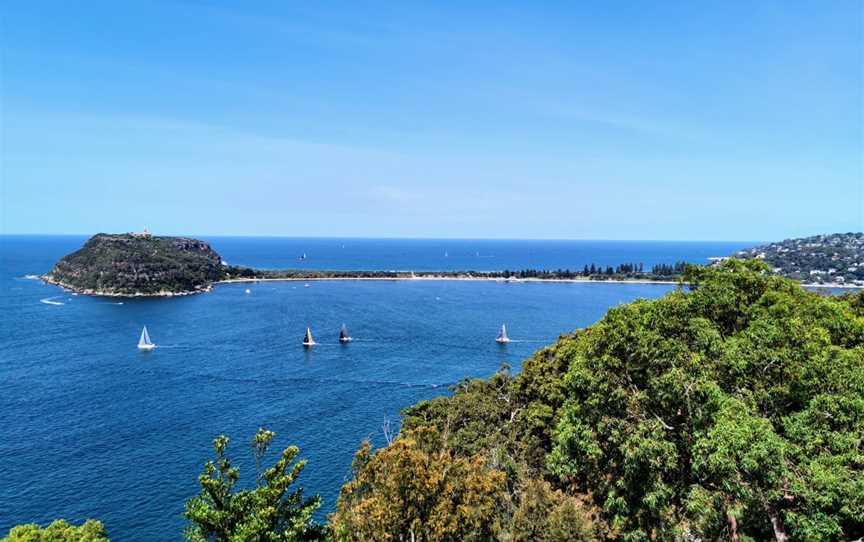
x=58, y=531
x=416, y=490
x=732, y=409
x=267, y=513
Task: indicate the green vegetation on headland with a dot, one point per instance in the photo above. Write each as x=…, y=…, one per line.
x=144, y=265
x=660, y=272
x=58, y=531
x=138, y=264
x=730, y=409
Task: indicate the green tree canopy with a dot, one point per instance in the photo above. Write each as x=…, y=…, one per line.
x=266, y=513
x=417, y=489
x=735, y=409
x=58, y=531
x=732, y=408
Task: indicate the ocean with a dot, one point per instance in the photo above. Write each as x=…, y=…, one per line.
x=92, y=428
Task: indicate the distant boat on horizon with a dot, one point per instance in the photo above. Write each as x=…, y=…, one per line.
x=502, y=337
x=344, y=337
x=307, y=339
x=144, y=343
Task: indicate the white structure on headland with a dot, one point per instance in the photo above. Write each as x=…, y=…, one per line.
x=145, y=233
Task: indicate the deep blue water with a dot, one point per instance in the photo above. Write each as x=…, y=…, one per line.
x=463, y=254
x=91, y=427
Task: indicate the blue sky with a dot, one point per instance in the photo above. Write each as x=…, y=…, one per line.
x=604, y=120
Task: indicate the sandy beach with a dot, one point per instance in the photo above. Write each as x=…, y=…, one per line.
x=448, y=278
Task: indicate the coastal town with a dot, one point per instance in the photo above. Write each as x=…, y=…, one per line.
x=836, y=259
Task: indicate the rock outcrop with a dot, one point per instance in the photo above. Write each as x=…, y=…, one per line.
x=138, y=265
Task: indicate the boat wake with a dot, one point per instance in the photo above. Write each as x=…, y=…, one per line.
x=31, y=277
x=51, y=300
x=300, y=379
x=363, y=382
x=375, y=383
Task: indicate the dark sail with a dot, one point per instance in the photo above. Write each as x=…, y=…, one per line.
x=343, y=334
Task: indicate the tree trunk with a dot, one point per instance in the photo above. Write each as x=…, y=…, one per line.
x=733, y=528
x=777, y=524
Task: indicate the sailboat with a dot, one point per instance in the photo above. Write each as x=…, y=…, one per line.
x=343, y=335
x=307, y=339
x=502, y=335
x=144, y=343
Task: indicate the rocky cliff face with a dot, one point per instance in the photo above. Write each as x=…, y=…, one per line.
x=130, y=265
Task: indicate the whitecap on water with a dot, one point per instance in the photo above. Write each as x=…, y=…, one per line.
x=51, y=301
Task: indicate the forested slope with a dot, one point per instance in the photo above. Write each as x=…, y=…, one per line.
x=729, y=409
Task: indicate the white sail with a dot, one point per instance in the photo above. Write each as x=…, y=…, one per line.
x=307, y=339
x=502, y=335
x=144, y=343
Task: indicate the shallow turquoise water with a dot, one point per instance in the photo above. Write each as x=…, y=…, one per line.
x=91, y=427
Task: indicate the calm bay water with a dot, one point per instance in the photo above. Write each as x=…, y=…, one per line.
x=90, y=427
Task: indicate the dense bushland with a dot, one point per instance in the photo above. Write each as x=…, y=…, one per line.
x=130, y=264
x=732, y=408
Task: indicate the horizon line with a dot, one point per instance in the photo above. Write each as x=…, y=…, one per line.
x=406, y=238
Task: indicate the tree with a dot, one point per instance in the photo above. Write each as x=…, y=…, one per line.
x=58, y=531
x=740, y=464
x=415, y=489
x=544, y=514
x=269, y=512
x=732, y=410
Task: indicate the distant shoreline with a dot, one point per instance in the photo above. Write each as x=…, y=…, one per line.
x=428, y=278
x=433, y=278
x=494, y=279
x=420, y=278
x=100, y=293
